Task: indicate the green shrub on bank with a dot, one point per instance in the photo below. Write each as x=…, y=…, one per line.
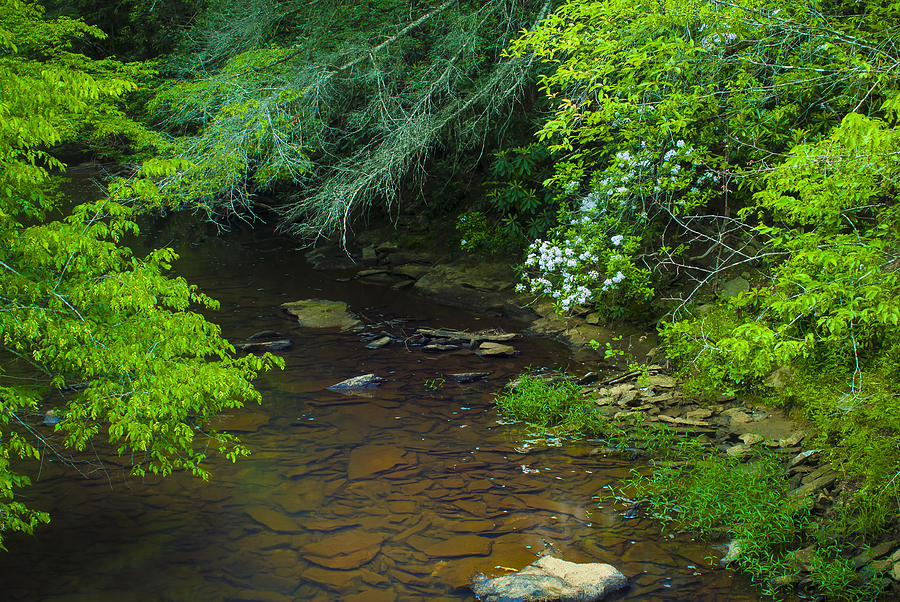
x=748, y=504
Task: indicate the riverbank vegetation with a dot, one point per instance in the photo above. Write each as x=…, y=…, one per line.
x=755, y=143
x=726, y=170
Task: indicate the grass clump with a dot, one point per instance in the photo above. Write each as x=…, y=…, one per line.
x=556, y=405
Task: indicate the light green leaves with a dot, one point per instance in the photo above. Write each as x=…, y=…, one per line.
x=76, y=306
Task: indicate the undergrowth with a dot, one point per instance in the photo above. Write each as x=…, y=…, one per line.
x=775, y=538
x=557, y=406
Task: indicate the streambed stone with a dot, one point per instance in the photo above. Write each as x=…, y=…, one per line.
x=367, y=460
x=490, y=349
x=345, y=551
x=272, y=519
x=550, y=578
x=453, y=547
x=379, y=343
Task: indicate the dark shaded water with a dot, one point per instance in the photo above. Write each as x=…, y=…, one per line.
x=400, y=495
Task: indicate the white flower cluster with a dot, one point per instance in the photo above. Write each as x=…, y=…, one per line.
x=610, y=283
x=558, y=268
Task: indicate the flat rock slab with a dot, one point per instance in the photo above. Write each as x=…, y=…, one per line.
x=273, y=519
x=550, y=578
x=367, y=460
x=379, y=343
x=489, y=349
x=469, y=337
x=412, y=270
x=321, y=313
x=345, y=551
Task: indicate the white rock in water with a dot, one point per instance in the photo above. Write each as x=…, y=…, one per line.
x=550, y=578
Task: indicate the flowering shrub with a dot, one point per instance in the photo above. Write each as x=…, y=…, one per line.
x=591, y=255
x=583, y=263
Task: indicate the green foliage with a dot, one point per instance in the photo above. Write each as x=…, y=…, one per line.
x=479, y=236
x=670, y=115
x=329, y=106
x=717, y=495
x=76, y=305
x=688, y=128
x=236, y=138
x=517, y=192
x=831, y=311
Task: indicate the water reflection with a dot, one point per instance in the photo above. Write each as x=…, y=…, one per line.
x=402, y=494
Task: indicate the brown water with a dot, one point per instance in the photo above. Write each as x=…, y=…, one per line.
x=402, y=494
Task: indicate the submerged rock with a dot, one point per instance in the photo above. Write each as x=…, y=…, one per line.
x=467, y=377
x=321, y=313
x=357, y=382
x=368, y=460
x=345, y=551
x=550, y=578
x=265, y=346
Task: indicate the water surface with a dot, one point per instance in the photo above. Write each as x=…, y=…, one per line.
x=401, y=494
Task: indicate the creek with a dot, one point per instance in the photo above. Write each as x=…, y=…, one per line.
x=398, y=494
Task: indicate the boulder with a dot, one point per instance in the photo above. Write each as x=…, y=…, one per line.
x=483, y=287
x=321, y=313
x=735, y=286
x=550, y=578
